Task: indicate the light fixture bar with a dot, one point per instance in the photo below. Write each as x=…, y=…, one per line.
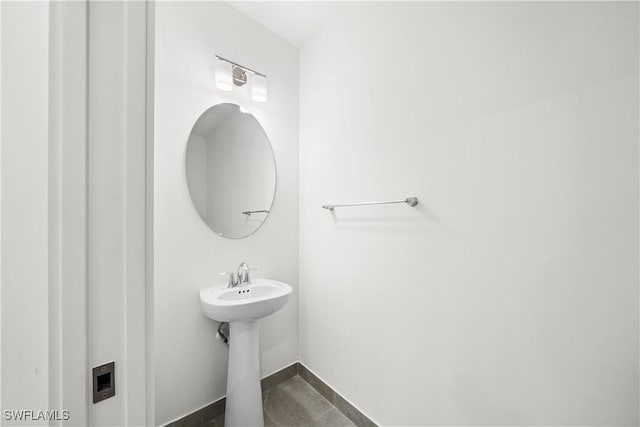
x=235, y=64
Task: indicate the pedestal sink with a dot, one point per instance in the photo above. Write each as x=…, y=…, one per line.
x=243, y=306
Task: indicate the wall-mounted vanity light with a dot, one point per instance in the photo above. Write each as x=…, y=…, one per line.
x=229, y=73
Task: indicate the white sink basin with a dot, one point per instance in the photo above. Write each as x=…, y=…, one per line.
x=244, y=303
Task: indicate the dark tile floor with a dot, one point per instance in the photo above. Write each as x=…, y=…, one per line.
x=294, y=403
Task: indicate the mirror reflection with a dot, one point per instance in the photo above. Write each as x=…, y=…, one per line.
x=231, y=171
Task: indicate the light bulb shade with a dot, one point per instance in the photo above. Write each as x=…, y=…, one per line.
x=259, y=88
x=223, y=74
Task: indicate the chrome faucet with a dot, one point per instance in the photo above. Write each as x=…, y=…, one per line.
x=243, y=274
x=241, y=277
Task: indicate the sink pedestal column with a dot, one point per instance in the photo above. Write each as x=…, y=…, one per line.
x=244, y=394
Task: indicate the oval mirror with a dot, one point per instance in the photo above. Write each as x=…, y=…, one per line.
x=231, y=171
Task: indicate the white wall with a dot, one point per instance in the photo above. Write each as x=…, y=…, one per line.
x=190, y=364
x=509, y=296
x=25, y=331
x=196, y=159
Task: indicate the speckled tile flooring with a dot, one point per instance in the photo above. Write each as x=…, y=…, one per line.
x=294, y=403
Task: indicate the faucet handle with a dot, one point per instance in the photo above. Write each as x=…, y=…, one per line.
x=232, y=279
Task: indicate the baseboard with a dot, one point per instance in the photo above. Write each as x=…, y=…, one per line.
x=215, y=409
x=343, y=405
